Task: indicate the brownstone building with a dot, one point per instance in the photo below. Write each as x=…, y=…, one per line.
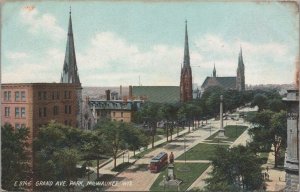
x=186, y=87
x=35, y=104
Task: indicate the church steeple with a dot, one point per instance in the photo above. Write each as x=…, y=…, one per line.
x=240, y=78
x=186, y=87
x=186, y=59
x=70, y=71
x=214, y=71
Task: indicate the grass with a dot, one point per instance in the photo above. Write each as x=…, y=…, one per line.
x=196, y=169
x=232, y=132
x=202, y=151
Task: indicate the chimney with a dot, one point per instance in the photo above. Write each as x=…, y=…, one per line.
x=130, y=92
x=121, y=96
x=107, y=95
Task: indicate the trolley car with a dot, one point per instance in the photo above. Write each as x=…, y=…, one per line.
x=158, y=162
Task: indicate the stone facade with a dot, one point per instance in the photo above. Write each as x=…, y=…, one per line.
x=33, y=105
x=292, y=152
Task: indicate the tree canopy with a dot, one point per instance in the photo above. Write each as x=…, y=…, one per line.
x=14, y=156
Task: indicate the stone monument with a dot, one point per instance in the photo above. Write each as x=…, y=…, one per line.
x=291, y=163
x=221, y=133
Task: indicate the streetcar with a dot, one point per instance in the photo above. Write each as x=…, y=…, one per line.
x=158, y=162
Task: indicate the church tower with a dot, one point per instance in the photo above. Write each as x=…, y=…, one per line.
x=214, y=71
x=240, y=77
x=186, y=87
x=70, y=71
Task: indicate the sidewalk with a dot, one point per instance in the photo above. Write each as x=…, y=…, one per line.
x=241, y=140
x=276, y=181
x=141, y=179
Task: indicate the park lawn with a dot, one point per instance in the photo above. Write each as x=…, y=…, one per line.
x=232, y=132
x=187, y=177
x=201, y=151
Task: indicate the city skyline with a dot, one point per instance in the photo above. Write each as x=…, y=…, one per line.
x=126, y=43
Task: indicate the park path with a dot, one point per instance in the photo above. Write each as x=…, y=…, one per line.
x=138, y=176
x=241, y=140
x=276, y=181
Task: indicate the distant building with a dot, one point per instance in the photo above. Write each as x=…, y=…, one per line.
x=229, y=83
x=186, y=87
x=70, y=72
x=112, y=108
x=156, y=94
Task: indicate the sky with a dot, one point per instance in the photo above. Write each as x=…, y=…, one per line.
x=141, y=43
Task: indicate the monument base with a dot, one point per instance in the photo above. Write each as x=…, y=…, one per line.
x=171, y=184
x=221, y=135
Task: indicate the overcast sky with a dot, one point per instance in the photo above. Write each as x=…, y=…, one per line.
x=116, y=43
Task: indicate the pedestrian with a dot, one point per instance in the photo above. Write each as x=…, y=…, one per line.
x=267, y=169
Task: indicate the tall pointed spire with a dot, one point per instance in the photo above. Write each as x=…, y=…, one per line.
x=214, y=71
x=240, y=78
x=241, y=62
x=186, y=87
x=186, y=60
x=70, y=71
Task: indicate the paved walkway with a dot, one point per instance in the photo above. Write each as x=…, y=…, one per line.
x=276, y=181
x=139, y=176
x=241, y=140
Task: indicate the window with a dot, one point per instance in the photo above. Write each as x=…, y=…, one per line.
x=17, y=112
x=17, y=96
x=121, y=114
x=52, y=95
x=39, y=95
x=65, y=94
x=69, y=94
x=45, y=111
x=23, y=112
x=57, y=95
x=70, y=109
x=40, y=112
x=23, y=97
x=7, y=111
x=55, y=110
x=114, y=114
x=66, y=109
x=70, y=122
x=7, y=95
x=17, y=126
x=45, y=95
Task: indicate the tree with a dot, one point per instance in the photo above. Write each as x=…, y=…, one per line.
x=57, y=153
x=14, y=156
x=94, y=147
x=269, y=128
x=260, y=100
x=135, y=138
x=234, y=169
x=278, y=134
x=114, y=134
